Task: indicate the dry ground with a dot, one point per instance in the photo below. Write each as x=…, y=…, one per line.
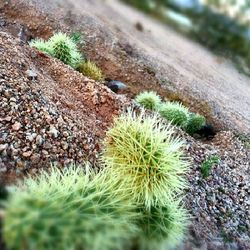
x=62, y=116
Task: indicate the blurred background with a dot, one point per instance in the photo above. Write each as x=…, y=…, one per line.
x=223, y=26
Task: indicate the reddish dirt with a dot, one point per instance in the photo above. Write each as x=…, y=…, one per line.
x=88, y=102
x=59, y=99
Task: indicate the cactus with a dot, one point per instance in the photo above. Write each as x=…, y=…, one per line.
x=146, y=161
x=41, y=45
x=144, y=156
x=76, y=37
x=195, y=123
x=163, y=226
x=68, y=210
x=90, y=70
x=149, y=100
x=60, y=46
x=175, y=112
x=64, y=49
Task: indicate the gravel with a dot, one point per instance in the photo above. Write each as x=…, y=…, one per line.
x=220, y=204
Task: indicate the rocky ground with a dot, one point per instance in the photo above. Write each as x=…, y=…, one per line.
x=220, y=203
x=51, y=113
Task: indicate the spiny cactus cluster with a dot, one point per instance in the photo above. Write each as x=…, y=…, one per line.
x=68, y=210
x=60, y=46
x=140, y=150
x=91, y=70
x=144, y=158
x=65, y=49
x=174, y=112
x=133, y=202
x=149, y=100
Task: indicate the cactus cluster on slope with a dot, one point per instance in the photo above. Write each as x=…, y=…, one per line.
x=64, y=48
x=147, y=161
x=60, y=46
x=132, y=202
x=68, y=209
x=174, y=112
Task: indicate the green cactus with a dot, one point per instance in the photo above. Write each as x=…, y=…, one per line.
x=68, y=210
x=195, y=123
x=163, y=226
x=60, y=46
x=149, y=100
x=41, y=45
x=65, y=49
x=145, y=157
x=175, y=112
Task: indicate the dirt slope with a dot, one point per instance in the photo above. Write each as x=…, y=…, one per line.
x=188, y=67
x=157, y=58
x=60, y=116
x=56, y=116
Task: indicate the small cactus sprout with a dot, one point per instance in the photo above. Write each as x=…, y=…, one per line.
x=163, y=226
x=41, y=45
x=195, y=123
x=91, y=70
x=207, y=165
x=76, y=37
x=65, y=49
x=149, y=100
x=67, y=209
x=175, y=112
x=144, y=156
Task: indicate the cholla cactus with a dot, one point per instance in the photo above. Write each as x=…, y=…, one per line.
x=67, y=210
x=149, y=100
x=41, y=45
x=175, y=112
x=195, y=123
x=64, y=48
x=143, y=156
x=60, y=46
x=76, y=37
x=90, y=70
x=163, y=226
x=146, y=161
